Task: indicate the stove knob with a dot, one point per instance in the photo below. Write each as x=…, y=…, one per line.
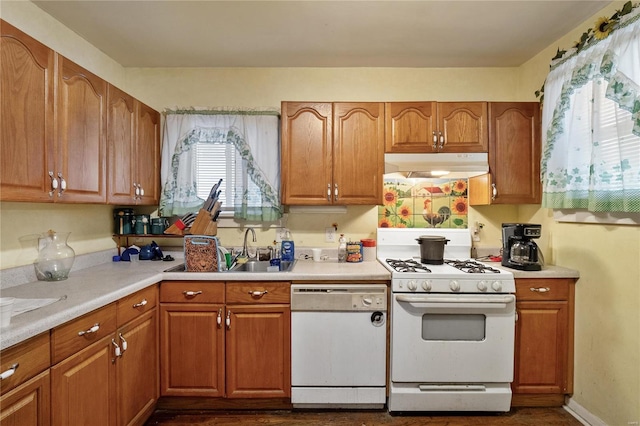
x=454, y=286
x=482, y=286
x=412, y=285
x=426, y=285
x=367, y=301
x=497, y=286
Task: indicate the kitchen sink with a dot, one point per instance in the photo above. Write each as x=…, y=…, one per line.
x=250, y=266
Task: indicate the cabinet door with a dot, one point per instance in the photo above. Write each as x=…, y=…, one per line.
x=514, y=151
x=358, y=152
x=148, y=155
x=463, y=127
x=28, y=404
x=83, y=387
x=121, y=159
x=410, y=126
x=541, y=351
x=258, y=351
x=137, y=370
x=191, y=350
x=81, y=133
x=26, y=108
x=306, y=153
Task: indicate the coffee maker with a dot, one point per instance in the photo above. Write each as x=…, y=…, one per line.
x=519, y=251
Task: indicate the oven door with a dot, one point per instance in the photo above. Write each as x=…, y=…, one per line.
x=461, y=338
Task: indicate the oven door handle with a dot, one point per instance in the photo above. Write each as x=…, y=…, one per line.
x=467, y=301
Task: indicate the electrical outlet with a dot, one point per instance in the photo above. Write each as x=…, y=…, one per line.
x=330, y=234
x=280, y=234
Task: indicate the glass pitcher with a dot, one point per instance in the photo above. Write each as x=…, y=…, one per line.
x=55, y=257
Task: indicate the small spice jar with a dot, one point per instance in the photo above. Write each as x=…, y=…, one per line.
x=368, y=249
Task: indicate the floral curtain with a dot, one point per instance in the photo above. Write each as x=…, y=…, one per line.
x=255, y=137
x=591, y=125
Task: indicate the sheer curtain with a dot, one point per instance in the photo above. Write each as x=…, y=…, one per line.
x=255, y=138
x=591, y=125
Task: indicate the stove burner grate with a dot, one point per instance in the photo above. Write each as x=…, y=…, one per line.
x=471, y=267
x=409, y=265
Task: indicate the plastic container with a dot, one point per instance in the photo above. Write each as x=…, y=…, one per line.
x=368, y=249
x=6, y=309
x=342, y=249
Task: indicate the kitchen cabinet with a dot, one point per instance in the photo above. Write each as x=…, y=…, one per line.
x=106, y=373
x=27, y=110
x=133, y=150
x=514, y=156
x=26, y=384
x=422, y=127
x=543, y=370
x=258, y=338
x=332, y=153
x=237, y=334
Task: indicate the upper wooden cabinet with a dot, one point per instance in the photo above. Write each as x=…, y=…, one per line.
x=419, y=127
x=81, y=134
x=332, y=153
x=133, y=150
x=27, y=70
x=514, y=156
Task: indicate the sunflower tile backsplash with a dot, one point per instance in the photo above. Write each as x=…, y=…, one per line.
x=424, y=203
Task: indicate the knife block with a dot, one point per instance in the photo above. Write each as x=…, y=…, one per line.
x=204, y=225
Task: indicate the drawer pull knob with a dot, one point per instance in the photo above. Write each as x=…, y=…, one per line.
x=118, y=351
x=141, y=304
x=124, y=342
x=258, y=293
x=9, y=372
x=191, y=293
x=540, y=289
x=92, y=330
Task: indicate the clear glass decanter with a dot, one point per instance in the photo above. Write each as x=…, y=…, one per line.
x=55, y=257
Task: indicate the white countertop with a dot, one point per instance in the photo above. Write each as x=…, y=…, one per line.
x=92, y=288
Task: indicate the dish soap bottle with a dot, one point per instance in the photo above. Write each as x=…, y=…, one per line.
x=342, y=249
x=287, y=251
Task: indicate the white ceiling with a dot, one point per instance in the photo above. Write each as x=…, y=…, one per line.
x=298, y=33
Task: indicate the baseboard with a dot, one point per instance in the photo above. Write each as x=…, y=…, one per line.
x=583, y=415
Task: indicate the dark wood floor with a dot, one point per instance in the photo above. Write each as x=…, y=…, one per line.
x=516, y=417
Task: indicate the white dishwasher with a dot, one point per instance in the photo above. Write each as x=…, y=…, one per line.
x=338, y=345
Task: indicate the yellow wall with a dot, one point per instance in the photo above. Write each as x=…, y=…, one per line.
x=607, y=372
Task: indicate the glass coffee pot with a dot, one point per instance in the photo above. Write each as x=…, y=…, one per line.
x=55, y=257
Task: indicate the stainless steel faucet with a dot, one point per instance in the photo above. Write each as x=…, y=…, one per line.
x=245, y=252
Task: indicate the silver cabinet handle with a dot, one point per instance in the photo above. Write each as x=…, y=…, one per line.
x=191, y=293
x=136, y=191
x=494, y=191
x=336, y=192
x=141, y=190
x=441, y=140
x=540, y=289
x=228, y=321
x=435, y=141
x=9, y=372
x=258, y=293
x=92, y=330
x=140, y=304
x=54, y=183
x=219, y=319
x=329, y=192
x=118, y=351
x=124, y=342
x=63, y=184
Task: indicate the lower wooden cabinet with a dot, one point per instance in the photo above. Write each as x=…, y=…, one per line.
x=225, y=339
x=543, y=370
x=27, y=404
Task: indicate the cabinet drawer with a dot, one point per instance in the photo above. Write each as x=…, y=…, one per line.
x=543, y=289
x=75, y=335
x=138, y=303
x=192, y=292
x=249, y=292
x=31, y=357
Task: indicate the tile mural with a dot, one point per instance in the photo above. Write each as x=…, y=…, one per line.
x=424, y=203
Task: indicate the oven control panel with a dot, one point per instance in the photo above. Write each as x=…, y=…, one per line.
x=448, y=285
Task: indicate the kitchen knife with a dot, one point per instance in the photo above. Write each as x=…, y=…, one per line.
x=213, y=196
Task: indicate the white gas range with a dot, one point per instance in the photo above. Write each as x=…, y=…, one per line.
x=452, y=326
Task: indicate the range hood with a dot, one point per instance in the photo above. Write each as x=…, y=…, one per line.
x=445, y=165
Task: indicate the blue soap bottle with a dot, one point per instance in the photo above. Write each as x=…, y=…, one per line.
x=287, y=252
